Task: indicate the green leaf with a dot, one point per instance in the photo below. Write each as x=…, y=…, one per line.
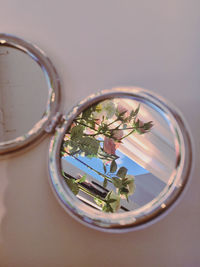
x=148, y=125
x=126, y=182
x=107, y=208
x=132, y=114
x=139, y=131
x=136, y=124
x=122, y=172
x=117, y=182
x=105, y=182
x=111, y=200
x=72, y=185
x=87, y=113
x=98, y=201
x=89, y=145
x=74, y=152
x=108, y=195
x=137, y=110
x=62, y=153
x=124, y=190
x=77, y=132
x=81, y=180
x=113, y=166
x=103, y=128
x=122, y=113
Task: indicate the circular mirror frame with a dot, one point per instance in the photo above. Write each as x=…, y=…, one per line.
x=53, y=84
x=147, y=214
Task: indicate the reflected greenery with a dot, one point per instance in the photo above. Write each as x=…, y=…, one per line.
x=97, y=133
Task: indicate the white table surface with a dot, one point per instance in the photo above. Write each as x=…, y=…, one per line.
x=94, y=45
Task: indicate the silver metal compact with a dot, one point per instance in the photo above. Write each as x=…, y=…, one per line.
x=118, y=161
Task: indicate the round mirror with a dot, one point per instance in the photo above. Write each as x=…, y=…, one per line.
x=29, y=91
x=120, y=159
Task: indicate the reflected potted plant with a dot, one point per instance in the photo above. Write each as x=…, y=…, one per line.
x=98, y=132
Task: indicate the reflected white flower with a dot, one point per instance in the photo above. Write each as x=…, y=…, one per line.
x=130, y=187
x=104, y=109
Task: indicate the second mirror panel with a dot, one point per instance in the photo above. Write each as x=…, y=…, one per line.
x=23, y=93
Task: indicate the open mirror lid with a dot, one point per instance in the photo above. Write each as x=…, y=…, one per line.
x=29, y=93
x=120, y=159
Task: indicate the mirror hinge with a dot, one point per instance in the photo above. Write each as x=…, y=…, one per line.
x=54, y=122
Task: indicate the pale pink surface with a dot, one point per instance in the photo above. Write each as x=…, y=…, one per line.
x=94, y=45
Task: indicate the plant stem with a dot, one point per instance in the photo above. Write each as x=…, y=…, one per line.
x=89, y=193
x=130, y=128
x=83, y=189
x=83, y=124
x=97, y=133
x=112, y=122
x=99, y=173
x=128, y=134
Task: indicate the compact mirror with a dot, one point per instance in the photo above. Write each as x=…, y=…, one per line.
x=28, y=93
x=120, y=159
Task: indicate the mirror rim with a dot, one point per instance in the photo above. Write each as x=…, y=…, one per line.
x=53, y=100
x=123, y=222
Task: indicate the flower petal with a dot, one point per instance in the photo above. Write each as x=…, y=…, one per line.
x=109, y=146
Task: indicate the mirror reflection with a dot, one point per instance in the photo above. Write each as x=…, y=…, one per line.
x=118, y=155
x=23, y=93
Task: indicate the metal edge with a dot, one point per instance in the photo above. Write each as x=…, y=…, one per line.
x=112, y=223
x=53, y=101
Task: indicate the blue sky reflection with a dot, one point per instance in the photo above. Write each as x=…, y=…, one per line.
x=95, y=163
